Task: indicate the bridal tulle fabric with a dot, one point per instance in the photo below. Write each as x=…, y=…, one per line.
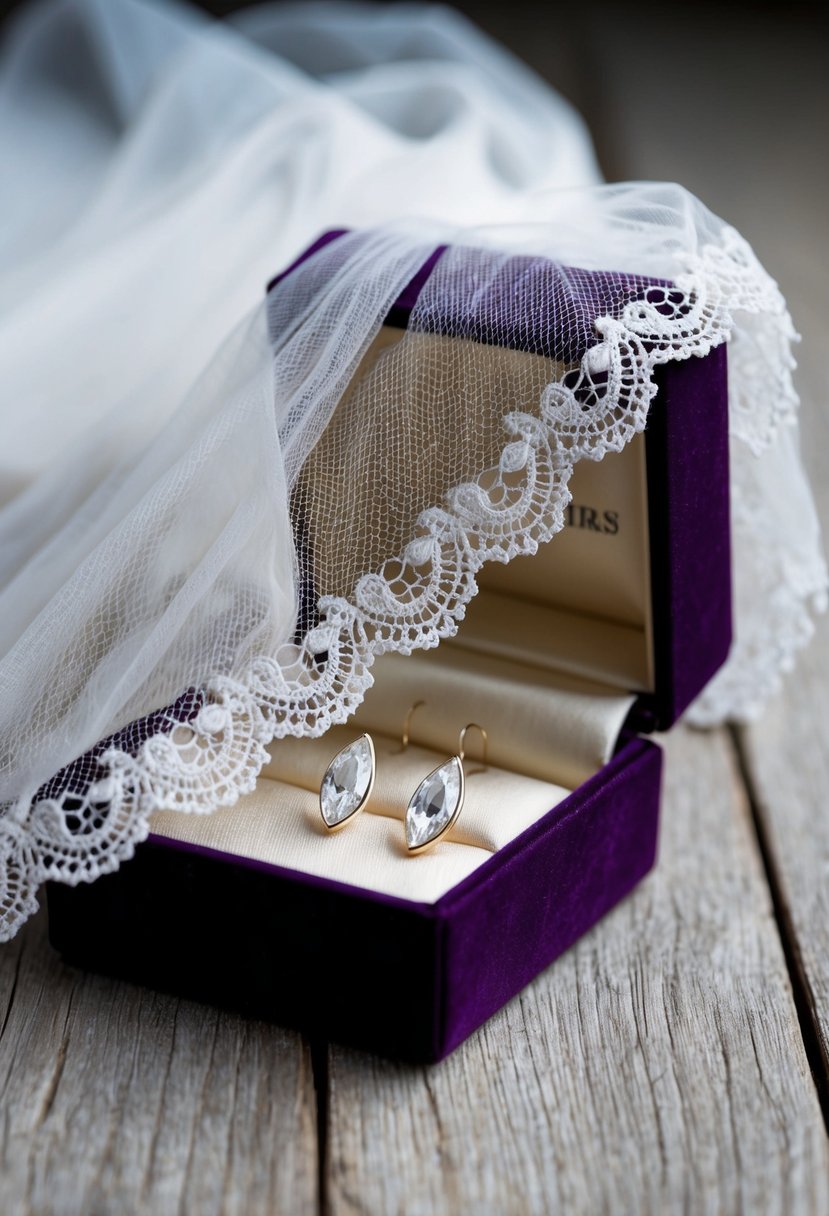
x=161, y=418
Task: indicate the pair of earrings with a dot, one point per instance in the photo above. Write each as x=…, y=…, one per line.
x=433, y=808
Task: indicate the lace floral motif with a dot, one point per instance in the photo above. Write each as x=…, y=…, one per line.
x=419, y=596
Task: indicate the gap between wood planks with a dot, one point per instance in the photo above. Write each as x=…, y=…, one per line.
x=801, y=988
x=319, y=1064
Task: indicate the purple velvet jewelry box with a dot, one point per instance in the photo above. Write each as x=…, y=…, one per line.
x=413, y=980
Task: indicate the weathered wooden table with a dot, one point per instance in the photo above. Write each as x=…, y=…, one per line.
x=676, y=1059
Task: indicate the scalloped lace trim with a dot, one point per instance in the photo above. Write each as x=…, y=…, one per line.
x=419, y=597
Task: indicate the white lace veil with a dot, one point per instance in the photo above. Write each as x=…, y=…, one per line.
x=191, y=560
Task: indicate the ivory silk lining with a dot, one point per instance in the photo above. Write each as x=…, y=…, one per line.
x=548, y=660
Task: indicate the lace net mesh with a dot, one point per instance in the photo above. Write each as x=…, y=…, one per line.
x=329, y=490
x=478, y=341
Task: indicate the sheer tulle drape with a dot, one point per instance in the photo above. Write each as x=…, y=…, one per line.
x=160, y=420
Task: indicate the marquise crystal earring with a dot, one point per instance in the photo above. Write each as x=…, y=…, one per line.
x=347, y=784
x=438, y=800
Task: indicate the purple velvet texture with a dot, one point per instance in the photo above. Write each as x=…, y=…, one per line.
x=420, y=978
x=521, y=301
x=690, y=536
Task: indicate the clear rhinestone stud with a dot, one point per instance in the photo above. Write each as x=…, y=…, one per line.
x=435, y=805
x=347, y=783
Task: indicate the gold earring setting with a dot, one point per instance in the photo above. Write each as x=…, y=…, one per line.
x=433, y=808
x=438, y=800
x=435, y=805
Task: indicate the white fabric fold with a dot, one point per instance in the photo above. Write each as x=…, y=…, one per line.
x=159, y=168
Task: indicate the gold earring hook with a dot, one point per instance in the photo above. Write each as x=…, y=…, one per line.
x=407, y=724
x=462, y=739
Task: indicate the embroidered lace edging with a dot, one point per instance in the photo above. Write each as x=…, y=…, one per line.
x=419, y=597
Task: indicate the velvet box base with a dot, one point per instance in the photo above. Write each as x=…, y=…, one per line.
x=406, y=980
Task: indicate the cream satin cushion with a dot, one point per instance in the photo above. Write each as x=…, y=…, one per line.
x=280, y=821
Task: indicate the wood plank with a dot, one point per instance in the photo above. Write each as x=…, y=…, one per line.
x=116, y=1099
x=746, y=138
x=787, y=751
x=788, y=761
x=657, y=1067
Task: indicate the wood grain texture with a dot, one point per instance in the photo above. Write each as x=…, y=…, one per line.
x=657, y=1067
x=119, y=1100
x=787, y=751
x=787, y=754
x=746, y=139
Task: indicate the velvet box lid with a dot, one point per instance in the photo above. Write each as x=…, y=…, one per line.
x=687, y=459
x=421, y=976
